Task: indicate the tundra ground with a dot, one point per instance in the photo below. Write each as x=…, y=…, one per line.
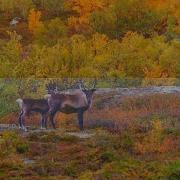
x=137, y=138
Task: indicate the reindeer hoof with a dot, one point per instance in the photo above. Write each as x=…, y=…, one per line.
x=24, y=129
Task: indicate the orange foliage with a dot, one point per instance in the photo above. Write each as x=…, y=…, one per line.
x=171, y=6
x=156, y=72
x=34, y=20
x=163, y=4
x=84, y=10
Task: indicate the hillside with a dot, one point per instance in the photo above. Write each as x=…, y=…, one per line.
x=92, y=38
x=123, y=54
x=131, y=137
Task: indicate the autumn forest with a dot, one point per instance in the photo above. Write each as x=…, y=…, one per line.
x=89, y=38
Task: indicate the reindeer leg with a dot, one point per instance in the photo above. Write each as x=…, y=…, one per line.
x=23, y=121
x=52, y=120
x=51, y=117
x=42, y=121
x=45, y=121
x=80, y=120
x=19, y=119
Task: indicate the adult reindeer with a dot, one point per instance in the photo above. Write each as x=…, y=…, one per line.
x=77, y=101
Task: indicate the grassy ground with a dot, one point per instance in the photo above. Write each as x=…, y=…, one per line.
x=136, y=139
x=56, y=155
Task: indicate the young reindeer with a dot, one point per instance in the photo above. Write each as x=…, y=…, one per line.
x=73, y=102
x=32, y=105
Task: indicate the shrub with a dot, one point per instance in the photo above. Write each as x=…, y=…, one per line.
x=127, y=141
x=69, y=138
x=69, y=171
x=153, y=141
x=173, y=171
x=51, y=32
x=107, y=156
x=7, y=143
x=50, y=137
x=22, y=148
x=34, y=20
x=87, y=175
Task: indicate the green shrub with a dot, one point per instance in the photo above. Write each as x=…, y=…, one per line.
x=173, y=170
x=127, y=142
x=70, y=171
x=22, y=148
x=107, y=156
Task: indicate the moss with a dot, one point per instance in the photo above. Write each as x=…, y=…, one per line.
x=69, y=138
x=173, y=170
x=87, y=175
x=51, y=137
x=22, y=148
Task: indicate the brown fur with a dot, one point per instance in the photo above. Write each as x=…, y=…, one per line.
x=70, y=103
x=32, y=105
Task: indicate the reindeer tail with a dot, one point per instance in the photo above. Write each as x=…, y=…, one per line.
x=47, y=96
x=20, y=102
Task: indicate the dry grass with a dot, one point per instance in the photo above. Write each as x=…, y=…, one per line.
x=138, y=143
x=115, y=117
x=133, y=108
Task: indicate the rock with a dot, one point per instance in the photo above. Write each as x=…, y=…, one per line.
x=81, y=135
x=28, y=161
x=8, y=127
x=139, y=91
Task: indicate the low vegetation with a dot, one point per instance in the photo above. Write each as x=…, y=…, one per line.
x=137, y=139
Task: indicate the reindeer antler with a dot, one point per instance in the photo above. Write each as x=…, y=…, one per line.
x=94, y=83
x=51, y=87
x=82, y=84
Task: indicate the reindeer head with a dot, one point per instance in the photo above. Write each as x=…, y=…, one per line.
x=88, y=91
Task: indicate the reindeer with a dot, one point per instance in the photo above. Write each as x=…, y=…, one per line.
x=32, y=105
x=77, y=101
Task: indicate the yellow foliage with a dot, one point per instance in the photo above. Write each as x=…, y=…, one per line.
x=34, y=20
x=153, y=142
x=177, y=29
